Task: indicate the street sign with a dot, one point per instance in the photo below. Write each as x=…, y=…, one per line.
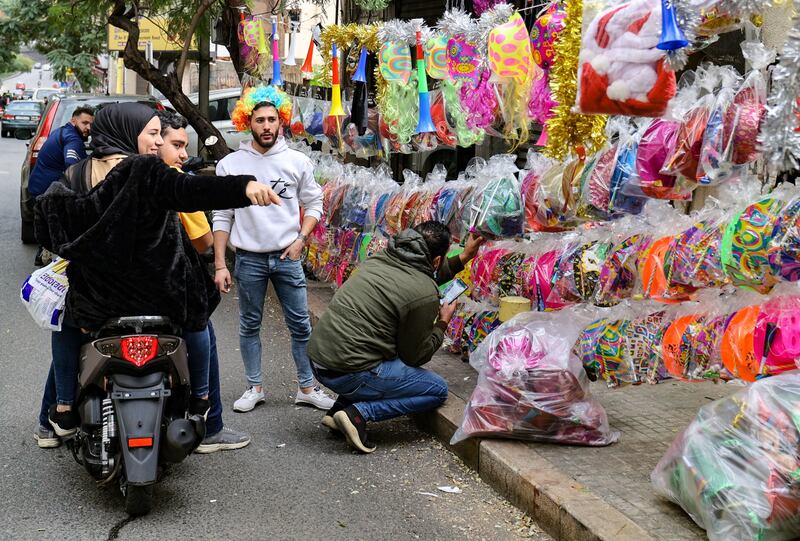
x=150, y=29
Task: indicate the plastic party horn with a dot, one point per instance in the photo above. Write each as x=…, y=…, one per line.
x=359, y=113
x=308, y=68
x=425, y=124
x=290, y=56
x=672, y=37
x=336, y=92
x=276, y=61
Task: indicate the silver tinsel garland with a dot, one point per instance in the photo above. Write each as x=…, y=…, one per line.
x=779, y=140
x=689, y=14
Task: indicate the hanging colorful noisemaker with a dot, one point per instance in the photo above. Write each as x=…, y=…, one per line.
x=294, y=28
x=425, y=124
x=336, y=92
x=672, y=37
x=358, y=112
x=307, y=69
x=276, y=61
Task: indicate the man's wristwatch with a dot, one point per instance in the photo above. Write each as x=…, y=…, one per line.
x=302, y=237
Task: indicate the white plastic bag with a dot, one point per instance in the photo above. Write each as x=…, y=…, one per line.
x=44, y=294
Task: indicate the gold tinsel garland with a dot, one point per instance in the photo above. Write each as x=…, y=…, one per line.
x=345, y=37
x=567, y=130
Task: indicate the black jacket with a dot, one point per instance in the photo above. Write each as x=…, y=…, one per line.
x=128, y=253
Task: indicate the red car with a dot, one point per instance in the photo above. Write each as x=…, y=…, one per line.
x=57, y=114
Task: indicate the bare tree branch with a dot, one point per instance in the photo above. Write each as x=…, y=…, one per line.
x=187, y=41
x=168, y=84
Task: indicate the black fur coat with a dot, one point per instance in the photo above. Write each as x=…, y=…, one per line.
x=128, y=253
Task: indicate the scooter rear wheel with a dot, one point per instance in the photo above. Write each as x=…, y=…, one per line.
x=138, y=499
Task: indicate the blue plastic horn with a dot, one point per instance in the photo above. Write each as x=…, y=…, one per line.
x=361, y=70
x=425, y=124
x=672, y=37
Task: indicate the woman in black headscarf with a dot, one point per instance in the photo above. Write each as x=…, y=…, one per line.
x=119, y=130
x=128, y=253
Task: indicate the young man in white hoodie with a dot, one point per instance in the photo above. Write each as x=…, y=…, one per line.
x=269, y=245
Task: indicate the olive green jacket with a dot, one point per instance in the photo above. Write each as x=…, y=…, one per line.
x=387, y=310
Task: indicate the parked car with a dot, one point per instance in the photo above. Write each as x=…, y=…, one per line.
x=23, y=115
x=39, y=94
x=220, y=106
x=57, y=114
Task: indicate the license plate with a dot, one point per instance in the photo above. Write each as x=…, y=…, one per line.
x=22, y=118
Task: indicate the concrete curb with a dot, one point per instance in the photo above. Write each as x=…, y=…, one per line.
x=564, y=508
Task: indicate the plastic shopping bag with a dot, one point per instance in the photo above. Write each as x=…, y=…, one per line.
x=44, y=294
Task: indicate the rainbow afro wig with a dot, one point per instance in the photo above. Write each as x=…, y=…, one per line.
x=253, y=96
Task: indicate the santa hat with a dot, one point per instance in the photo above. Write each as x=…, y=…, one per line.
x=621, y=70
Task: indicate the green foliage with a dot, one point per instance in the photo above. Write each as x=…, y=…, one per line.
x=73, y=32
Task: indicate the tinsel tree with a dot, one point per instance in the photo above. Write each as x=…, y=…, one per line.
x=779, y=137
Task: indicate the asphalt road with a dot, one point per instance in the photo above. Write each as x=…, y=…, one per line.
x=36, y=78
x=295, y=480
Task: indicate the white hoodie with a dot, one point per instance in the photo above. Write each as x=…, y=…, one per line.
x=291, y=176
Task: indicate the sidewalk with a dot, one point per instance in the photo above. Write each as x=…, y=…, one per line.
x=578, y=493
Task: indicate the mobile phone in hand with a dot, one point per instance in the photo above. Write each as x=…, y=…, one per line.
x=453, y=291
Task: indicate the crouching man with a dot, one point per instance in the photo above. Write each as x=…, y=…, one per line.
x=381, y=327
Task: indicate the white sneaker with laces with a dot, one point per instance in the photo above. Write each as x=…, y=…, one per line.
x=315, y=398
x=249, y=400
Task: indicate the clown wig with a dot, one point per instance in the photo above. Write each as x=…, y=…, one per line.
x=253, y=96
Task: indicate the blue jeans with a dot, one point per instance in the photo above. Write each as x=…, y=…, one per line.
x=63, y=374
x=214, y=419
x=198, y=347
x=253, y=272
x=213, y=422
x=389, y=390
x=66, y=348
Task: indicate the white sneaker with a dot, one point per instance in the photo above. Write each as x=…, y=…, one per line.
x=249, y=400
x=315, y=398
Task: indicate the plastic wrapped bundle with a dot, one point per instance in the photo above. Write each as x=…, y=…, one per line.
x=784, y=248
x=735, y=469
x=498, y=210
x=532, y=388
x=620, y=351
x=744, y=247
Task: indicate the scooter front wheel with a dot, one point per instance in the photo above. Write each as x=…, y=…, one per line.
x=138, y=499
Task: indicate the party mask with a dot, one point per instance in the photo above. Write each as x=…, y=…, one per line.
x=462, y=60
x=436, y=58
x=395, y=62
x=784, y=250
x=745, y=244
x=510, y=50
x=544, y=35
x=250, y=32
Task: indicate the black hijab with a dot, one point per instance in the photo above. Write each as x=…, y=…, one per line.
x=116, y=128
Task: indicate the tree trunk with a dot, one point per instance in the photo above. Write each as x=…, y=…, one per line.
x=168, y=84
x=230, y=18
